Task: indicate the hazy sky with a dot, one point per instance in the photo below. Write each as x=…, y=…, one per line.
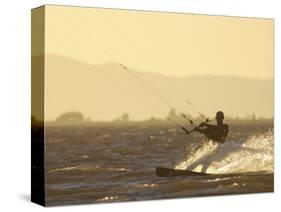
x=168, y=43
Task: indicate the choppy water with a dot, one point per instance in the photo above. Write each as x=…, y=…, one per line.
x=110, y=163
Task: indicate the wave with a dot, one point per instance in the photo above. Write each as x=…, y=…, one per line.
x=253, y=154
x=68, y=168
x=87, y=169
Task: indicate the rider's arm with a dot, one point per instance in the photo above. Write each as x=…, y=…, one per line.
x=205, y=128
x=204, y=124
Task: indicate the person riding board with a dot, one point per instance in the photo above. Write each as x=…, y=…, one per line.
x=216, y=133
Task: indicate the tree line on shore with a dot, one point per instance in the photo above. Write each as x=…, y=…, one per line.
x=79, y=118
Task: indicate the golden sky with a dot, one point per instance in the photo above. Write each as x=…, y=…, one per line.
x=84, y=47
x=167, y=43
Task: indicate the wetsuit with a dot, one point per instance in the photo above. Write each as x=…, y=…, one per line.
x=216, y=133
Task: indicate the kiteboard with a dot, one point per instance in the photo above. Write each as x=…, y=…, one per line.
x=168, y=172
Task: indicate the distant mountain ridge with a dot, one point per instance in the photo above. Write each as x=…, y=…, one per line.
x=104, y=92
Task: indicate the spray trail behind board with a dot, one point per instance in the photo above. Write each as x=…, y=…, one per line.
x=254, y=154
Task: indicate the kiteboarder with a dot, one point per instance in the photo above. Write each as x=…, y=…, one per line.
x=216, y=133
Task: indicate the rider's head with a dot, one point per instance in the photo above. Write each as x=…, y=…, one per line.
x=219, y=116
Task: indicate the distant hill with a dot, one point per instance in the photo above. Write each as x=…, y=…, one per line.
x=104, y=92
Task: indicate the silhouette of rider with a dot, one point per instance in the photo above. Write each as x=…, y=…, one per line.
x=217, y=132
